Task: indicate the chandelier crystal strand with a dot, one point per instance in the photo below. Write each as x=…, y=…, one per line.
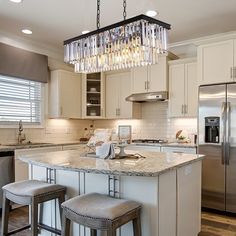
x=134, y=42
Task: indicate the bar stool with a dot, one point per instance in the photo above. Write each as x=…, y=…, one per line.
x=100, y=212
x=32, y=193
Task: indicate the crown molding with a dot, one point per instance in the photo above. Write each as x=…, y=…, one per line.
x=205, y=40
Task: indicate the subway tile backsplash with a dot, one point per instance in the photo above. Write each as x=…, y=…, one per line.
x=55, y=130
x=154, y=123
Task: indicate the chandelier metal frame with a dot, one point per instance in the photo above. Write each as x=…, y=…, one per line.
x=149, y=38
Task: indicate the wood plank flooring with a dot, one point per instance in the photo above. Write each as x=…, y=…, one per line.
x=212, y=224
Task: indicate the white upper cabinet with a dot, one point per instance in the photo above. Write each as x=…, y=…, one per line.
x=176, y=90
x=139, y=79
x=157, y=76
x=216, y=62
x=65, y=95
x=151, y=78
x=183, y=88
x=118, y=87
x=191, y=89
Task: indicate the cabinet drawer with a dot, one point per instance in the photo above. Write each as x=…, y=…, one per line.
x=179, y=150
x=143, y=148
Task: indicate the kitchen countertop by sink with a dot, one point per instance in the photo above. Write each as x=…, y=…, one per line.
x=12, y=147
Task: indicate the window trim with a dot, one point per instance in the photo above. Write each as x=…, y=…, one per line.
x=41, y=125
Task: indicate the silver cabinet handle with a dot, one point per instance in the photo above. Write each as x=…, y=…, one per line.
x=145, y=85
x=182, y=109
x=185, y=109
x=148, y=85
x=61, y=110
x=118, y=111
x=232, y=72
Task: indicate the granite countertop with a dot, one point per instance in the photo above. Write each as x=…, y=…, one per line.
x=74, y=160
x=171, y=144
x=12, y=147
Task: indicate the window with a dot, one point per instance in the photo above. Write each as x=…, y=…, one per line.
x=20, y=100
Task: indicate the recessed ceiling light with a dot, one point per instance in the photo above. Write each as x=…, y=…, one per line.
x=85, y=31
x=26, y=31
x=151, y=13
x=16, y=1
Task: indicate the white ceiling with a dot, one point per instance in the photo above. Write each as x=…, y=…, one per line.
x=53, y=21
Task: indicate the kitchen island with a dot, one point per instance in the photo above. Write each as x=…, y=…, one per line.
x=167, y=184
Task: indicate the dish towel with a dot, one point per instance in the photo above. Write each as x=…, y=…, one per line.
x=106, y=151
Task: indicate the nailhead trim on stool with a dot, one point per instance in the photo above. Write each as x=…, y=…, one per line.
x=100, y=212
x=30, y=192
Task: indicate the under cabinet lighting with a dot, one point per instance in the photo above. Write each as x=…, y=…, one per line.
x=17, y=1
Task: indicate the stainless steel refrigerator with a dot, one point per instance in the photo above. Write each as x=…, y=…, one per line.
x=217, y=140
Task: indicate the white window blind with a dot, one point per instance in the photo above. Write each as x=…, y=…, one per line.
x=20, y=100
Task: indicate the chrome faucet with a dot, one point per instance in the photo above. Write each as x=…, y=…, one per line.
x=21, y=136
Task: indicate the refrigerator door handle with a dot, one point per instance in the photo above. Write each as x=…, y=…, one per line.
x=224, y=141
x=228, y=127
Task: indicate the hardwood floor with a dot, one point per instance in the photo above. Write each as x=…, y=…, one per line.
x=217, y=225
x=212, y=224
x=18, y=218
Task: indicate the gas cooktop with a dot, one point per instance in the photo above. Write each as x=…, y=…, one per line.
x=149, y=141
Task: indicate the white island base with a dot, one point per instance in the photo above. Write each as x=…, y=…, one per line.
x=171, y=201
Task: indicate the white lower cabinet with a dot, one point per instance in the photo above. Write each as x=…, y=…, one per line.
x=21, y=168
x=143, y=148
x=189, y=150
x=171, y=202
x=73, y=147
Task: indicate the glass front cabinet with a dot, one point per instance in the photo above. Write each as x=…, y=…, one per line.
x=93, y=101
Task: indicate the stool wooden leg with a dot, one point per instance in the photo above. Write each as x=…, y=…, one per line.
x=61, y=199
x=65, y=226
x=93, y=232
x=137, y=226
x=5, y=215
x=34, y=218
x=111, y=232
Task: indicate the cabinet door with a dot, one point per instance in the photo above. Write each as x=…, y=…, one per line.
x=177, y=90
x=191, y=90
x=112, y=95
x=126, y=108
x=179, y=150
x=234, y=60
x=70, y=95
x=21, y=168
x=157, y=76
x=139, y=79
x=215, y=62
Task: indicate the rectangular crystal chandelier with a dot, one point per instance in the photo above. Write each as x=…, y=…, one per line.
x=134, y=42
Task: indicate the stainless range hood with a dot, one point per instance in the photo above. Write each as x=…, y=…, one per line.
x=148, y=97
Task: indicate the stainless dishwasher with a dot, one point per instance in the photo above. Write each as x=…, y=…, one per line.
x=6, y=170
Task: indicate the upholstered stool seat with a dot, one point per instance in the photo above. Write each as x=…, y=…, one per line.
x=30, y=192
x=101, y=212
